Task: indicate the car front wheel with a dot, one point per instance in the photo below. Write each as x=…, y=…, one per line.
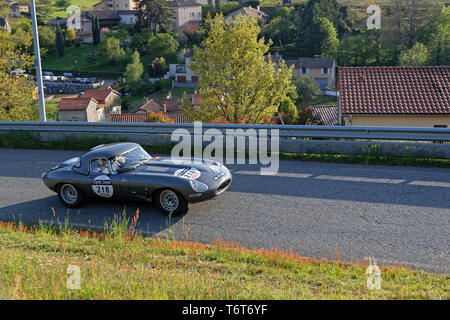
x=171, y=202
x=70, y=195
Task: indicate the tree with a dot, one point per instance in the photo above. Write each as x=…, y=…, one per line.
x=59, y=41
x=236, y=81
x=281, y=29
x=309, y=37
x=47, y=39
x=134, y=70
x=307, y=90
x=16, y=93
x=289, y=111
x=364, y=49
x=163, y=45
x=155, y=13
x=435, y=34
x=158, y=117
x=228, y=7
x=70, y=35
x=418, y=55
x=111, y=49
x=329, y=43
x=95, y=30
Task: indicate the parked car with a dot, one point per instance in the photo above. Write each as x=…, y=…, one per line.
x=126, y=171
x=92, y=80
x=76, y=80
x=46, y=78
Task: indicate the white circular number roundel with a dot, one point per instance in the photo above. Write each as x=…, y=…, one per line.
x=188, y=173
x=102, y=186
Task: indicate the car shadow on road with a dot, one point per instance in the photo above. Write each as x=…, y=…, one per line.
x=92, y=214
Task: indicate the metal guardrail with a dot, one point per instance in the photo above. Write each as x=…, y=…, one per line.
x=388, y=141
x=285, y=132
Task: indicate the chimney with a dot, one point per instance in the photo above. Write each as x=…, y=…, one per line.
x=165, y=108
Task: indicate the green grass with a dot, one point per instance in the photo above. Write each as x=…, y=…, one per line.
x=80, y=54
x=51, y=109
x=120, y=264
x=323, y=101
x=60, y=12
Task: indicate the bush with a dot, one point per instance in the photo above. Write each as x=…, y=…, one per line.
x=159, y=117
x=163, y=84
x=289, y=108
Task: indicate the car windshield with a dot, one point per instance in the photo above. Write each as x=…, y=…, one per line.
x=130, y=159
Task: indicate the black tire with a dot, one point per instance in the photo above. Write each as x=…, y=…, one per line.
x=75, y=193
x=180, y=208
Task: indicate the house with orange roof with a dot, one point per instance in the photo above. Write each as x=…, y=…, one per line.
x=79, y=109
x=394, y=96
x=108, y=99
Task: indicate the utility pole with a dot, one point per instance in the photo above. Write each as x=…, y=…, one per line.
x=37, y=62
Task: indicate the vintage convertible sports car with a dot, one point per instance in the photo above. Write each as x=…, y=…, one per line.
x=126, y=171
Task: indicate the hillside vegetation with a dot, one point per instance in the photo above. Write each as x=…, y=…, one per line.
x=120, y=265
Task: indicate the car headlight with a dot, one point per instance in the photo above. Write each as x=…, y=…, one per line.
x=198, y=186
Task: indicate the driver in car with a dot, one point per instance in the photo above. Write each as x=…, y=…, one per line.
x=100, y=165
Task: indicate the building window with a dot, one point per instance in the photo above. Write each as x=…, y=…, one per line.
x=304, y=70
x=192, y=14
x=325, y=70
x=440, y=126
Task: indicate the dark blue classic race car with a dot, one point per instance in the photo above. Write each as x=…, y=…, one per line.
x=126, y=171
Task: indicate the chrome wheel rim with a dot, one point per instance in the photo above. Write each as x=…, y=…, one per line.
x=69, y=193
x=168, y=200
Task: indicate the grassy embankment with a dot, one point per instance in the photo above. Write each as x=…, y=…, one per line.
x=119, y=264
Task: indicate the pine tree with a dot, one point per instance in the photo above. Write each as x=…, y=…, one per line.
x=155, y=13
x=59, y=41
x=309, y=34
x=95, y=30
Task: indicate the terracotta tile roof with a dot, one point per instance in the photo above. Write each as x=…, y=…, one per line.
x=328, y=115
x=395, y=90
x=127, y=117
x=157, y=105
x=250, y=12
x=74, y=103
x=98, y=94
x=172, y=104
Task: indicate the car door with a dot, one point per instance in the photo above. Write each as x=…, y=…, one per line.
x=104, y=184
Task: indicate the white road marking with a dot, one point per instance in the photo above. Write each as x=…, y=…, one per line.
x=279, y=174
x=430, y=184
x=359, y=179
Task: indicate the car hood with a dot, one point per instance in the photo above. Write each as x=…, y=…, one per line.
x=181, y=167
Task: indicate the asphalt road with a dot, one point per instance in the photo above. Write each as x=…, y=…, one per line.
x=392, y=214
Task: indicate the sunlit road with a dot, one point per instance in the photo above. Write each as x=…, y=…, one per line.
x=393, y=214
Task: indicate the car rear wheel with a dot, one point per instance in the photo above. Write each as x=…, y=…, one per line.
x=70, y=195
x=171, y=202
